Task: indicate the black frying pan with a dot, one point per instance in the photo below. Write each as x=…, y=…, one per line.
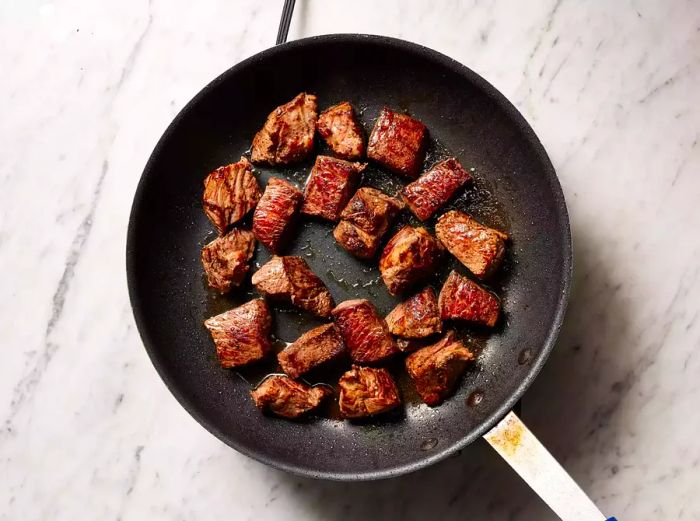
x=516, y=190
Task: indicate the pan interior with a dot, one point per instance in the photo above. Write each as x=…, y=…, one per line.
x=515, y=190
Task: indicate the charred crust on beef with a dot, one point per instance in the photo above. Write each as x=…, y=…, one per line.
x=226, y=259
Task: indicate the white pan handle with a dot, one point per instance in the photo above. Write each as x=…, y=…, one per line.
x=533, y=462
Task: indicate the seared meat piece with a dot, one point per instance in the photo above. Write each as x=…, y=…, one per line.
x=434, y=188
x=366, y=391
x=273, y=215
x=411, y=255
x=339, y=128
x=435, y=369
x=329, y=187
x=288, y=134
x=284, y=397
x=463, y=299
x=226, y=259
x=478, y=247
x=398, y=143
x=364, y=332
x=230, y=192
x=290, y=279
x=364, y=221
x=310, y=350
x=242, y=334
x=416, y=317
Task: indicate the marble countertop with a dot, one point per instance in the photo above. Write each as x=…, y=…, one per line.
x=89, y=431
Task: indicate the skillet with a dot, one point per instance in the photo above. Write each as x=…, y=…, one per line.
x=515, y=189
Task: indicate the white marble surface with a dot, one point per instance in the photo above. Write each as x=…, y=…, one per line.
x=88, y=429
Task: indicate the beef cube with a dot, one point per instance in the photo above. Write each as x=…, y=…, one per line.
x=416, y=317
x=367, y=391
x=226, y=258
x=289, y=279
x=434, y=188
x=284, y=397
x=436, y=369
x=288, y=134
x=355, y=241
x=273, y=216
x=364, y=221
x=242, y=334
x=341, y=131
x=310, y=350
x=398, y=143
x=410, y=256
x=364, y=332
x=478, y=247
x=330, y=185
x=230, y=192
x=463, y=299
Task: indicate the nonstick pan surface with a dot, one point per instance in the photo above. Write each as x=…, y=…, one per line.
x=516, y=190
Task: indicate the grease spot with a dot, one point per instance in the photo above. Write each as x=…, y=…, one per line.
x=429, y=444
x=475, y=398
x=524, y=356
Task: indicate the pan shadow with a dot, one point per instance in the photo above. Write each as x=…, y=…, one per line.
x=574, y=400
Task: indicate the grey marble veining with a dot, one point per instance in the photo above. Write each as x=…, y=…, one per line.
x=88, y=429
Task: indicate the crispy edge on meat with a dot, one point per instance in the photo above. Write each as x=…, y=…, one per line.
x=364, y=332
x=463, y=299
x=367, y=391
x=329, y=187
x=411, y=255
x=365, y=220
x=313, y=348
x=417, y=316
x=242, y=334
x=398, y=142
x=339, y=128
x=226, y=259
x=435, y=369
x=282, y=396
x=478, y=247
x=276, y=209
x=230, y=192
x=290, y=279
x=429, y=192
x=288, y=133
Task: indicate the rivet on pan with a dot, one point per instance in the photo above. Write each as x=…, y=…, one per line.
x=475, y=398
x=524, y=356
x=429, y=444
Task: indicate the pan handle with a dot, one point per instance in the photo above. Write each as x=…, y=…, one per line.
x=532, y=461
x=286, y=19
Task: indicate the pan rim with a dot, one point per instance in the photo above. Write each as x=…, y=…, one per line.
x=536, y=365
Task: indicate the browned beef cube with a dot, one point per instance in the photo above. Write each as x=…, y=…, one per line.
x=284, y=397
x=436, y=369
x=340, y=129
x=364, y=221
x=288, y=134
x=330, y=185
x=273, y=216
x=355, y=241
x=242, y=334
x=463, y=299
x=434, y=188
x=364, y=332
x=289, y=279
x=478, y=247
x=310, y=350
x=230, y=192
x=416, y=317
x=398, y=143
x=410, y=256
x=226, y=258
x=367, y=391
